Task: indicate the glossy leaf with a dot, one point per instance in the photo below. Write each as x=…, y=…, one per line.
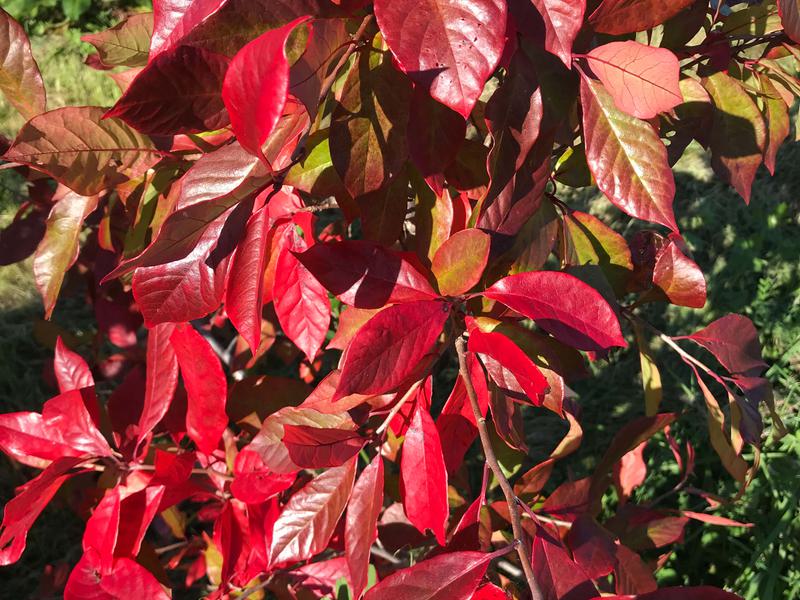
x=360, y=530
x=459, y=263
x=58, y=250
x=127, y=44
x=386, y=350
x=79, y=148
x=503, y=358
x=365, y=274
x=256, y=85
x=309, y=518
x=572, y=311
x=72, y=372
x=626, y=158
x=317, y=448
x=642, y=80
x=563, y=20
x=626, y=16
x=462, y=41
x=424, y=477
x=125, y=579
x=738, y=134
x=301, y=302
x=205, y=384
x=180, y=91
x=175, y=19
x=368, y=132
x=454, y=576
x=679, y=277
x=20, y=79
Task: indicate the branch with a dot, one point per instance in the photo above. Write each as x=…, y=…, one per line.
x=491, y=459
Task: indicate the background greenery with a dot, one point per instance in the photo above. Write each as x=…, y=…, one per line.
x=750, y=257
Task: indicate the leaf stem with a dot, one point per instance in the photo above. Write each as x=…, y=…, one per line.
x=522, y=547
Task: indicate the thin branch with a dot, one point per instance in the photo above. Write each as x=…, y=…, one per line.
x=491, y=459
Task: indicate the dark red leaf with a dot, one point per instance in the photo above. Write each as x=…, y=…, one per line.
x=629, y=437
x=626, y=16
x=462, y=45
x=256, y=85
x=571, y=310
x=180, y=91
x=206, y=387
x=360, y=530
x=435, y=133
x=454, y=576
x=174, y=19
x=559, y=577
x=592, y=547
x=309, y=518
x=386, y=350
x=72, y=372
x=318, y=448
x=301, y=302
x=424, y=476
x=682, y=593
x=733, y=340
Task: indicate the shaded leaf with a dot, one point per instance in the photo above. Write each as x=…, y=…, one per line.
x=559, y=577
x=318, y=448
x=563, y=20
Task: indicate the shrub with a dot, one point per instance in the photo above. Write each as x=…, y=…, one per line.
x=331, y=272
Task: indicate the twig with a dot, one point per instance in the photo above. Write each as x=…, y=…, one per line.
x=491, y=459
x=246, y=593
x=396, y=408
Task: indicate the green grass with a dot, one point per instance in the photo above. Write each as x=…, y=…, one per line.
x=750, y=256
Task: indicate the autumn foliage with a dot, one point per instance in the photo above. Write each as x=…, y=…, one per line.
x=333, y=277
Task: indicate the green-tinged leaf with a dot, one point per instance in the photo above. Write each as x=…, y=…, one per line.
x=589, y=241
x=80, y=149
x=459, y=262
x=757, y=19
x=776, y=113
x=738, y=134
x=651, y=376
x=58, y=250
x=127, y=44
x=627, y=158
x=368, y=132
x=383, y=212
x=20, y=79
x=315, y=173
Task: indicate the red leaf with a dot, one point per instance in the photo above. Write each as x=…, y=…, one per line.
x=206, y=387
x=256, y=86
x=174, y=19
x=254, y=483
x=790, y=18
x=191, y=287
x=630, y=472
x=459, y=263
x=643, y=80
x=387, y=349
x=309, y=518
x=127, y=579
x=65, y=428
x=456, y=423
x=31, y=499
x=524, y=373
x=714, y=519
x=562, y=22
x=679, y=277
x=301, y=302
x=627, y=158
x=489, y=592
x=462, y=45
x=365, y=274
x=592, y=547
x=360, y=530
x=72, y=372
x=571, y=310
x=318, y=448
x=733, y=340
x=180, y=91
x=626, y=16
x=424, y=476
x=559, y=577
x=20, y=79
x=161, y=378
x=453, y=576
x=244, y=290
